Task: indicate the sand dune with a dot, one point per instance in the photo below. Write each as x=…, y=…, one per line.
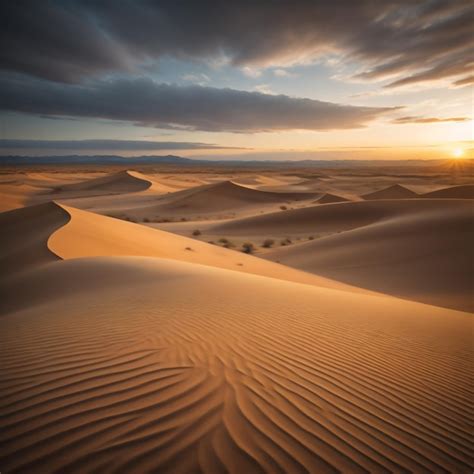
x=330, y=198
x=210, y=200
x=24, y=236
x=126, y=348
x=425, y=255
x=227, y=195
x=453, y=192
x=330, y=218
x=395, y=191
x=190, y=369
x=46, y=232
x=121, y=182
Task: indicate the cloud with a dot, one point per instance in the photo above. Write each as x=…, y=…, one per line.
x=466, y=81
x=404, y=41
x=147, y=103
x=196, y=78
x=264, y=88
x=111, y=145
x=418, y=119
x=283, y=73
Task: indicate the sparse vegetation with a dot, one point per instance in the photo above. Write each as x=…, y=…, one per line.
x=267, y=243
x=286, y=241
x=283, y=208
x=145, y=219
x=196, y=232
x=311, y=237
x=188, y=248
x=248, y=247
x=226, y=243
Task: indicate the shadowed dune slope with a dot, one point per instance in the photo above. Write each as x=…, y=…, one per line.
x=454, y=192
x=426, y=256
x=330, y=198
x=24, y=236
x=190, y=369
x=89, y=235
x=395, y=191
x=333, y=218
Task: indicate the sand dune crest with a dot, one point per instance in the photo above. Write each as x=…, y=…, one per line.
x=395, y=191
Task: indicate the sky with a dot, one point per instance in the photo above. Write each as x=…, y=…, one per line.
x=256, y=79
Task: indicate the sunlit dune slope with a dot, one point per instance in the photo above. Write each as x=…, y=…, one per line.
x=42, y=233
x=425, y=255
x=395, y=191
x=150, y=365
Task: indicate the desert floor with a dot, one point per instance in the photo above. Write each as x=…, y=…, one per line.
x=242, y=320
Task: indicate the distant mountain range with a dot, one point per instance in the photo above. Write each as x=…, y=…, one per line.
x=93, y=159
x=15, y=160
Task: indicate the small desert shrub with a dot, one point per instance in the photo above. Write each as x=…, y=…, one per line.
x=196, y=232
x=267, y=243
x=283, y=208
x=286, y=241
x=229, y=245
x=188, y=248
x=183, y=219
x=145, y=219
x=223, y=240
x=311, y=237
x=248, y=247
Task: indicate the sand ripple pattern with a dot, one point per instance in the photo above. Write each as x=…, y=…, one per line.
x=184, y=373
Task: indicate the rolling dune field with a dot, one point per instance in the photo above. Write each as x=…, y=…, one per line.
x=137, y=346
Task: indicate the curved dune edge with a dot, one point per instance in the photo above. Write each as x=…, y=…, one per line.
x=88, y=234
x=24, y=236
x=191, y=370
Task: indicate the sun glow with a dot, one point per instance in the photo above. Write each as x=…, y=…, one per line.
x=457, y=152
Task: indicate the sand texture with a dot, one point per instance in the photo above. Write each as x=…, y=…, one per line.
x=139, y=347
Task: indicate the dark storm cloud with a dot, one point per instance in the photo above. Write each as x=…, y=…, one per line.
x=69, y=40
x=145, y=102
x=122, y=145
x=417, y=119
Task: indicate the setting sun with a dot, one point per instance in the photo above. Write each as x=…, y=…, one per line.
x=458, y=152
